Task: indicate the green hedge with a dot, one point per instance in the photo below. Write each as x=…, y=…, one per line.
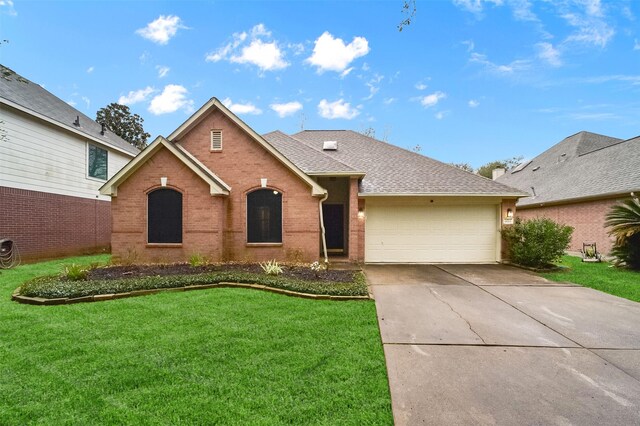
x=52, y=287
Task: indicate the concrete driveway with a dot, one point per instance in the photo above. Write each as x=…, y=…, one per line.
x=493, y=344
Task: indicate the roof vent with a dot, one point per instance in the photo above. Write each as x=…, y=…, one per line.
x=536, y=168
x=77, y=122
x=102, y=131
x=330, y=146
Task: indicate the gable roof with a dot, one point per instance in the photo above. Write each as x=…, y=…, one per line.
x=216, y=185
x=584, y=165
x=310, y=160
x=391, y=170
x=31, y=98
x=199, y=115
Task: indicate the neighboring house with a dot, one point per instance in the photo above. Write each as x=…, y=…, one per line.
x=53, y=160
x=215, y=187
x=577, y=181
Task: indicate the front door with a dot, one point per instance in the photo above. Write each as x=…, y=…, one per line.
x=334, y=227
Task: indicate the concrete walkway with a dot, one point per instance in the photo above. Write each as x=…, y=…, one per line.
x=492, y=344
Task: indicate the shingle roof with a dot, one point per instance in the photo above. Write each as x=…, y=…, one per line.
x=583, y=165
x=310, y=160
x=32, y=96
x=392, y=170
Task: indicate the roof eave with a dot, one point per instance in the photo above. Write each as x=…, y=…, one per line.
x=606, y=195
x=337, y=174
x=316, y=190
x=64, y=126
x=441, y=194
x=111, y=186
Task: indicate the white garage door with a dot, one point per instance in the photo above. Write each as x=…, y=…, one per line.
x=424, y=233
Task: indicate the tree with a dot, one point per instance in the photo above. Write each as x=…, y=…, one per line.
x=624, y=222
x=370, y=132
x=487, y=169
x=464, y=166
x=408, y=9
x=119, y=120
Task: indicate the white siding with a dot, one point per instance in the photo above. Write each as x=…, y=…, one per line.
x=38, y=156
x=418, y=231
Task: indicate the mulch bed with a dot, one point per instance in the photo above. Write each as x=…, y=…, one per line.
x=136, y=271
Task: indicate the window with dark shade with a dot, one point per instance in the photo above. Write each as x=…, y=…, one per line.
x=264, y=216
x=97, y=162
x=164, y=216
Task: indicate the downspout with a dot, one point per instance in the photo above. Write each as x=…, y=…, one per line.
x=324, y=240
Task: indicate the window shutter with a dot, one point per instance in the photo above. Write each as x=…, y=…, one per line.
x=216, y=140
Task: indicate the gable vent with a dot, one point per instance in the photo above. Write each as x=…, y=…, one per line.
x=216, y=140
x=330, y=146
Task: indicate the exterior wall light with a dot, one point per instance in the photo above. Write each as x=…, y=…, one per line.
x=263, y=182
x=509, y=213
x=360, y=213
x=163, y=181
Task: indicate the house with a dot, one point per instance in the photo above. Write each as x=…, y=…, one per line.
x=53, y=160
x=576, y=181
x=215, y=187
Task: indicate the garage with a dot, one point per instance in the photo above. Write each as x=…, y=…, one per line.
x=431, y=230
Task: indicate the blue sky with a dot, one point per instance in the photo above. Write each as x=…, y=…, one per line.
x=468, y=80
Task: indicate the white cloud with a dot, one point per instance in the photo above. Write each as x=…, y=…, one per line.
x=163, y=70
x=475, y=6
x=144, y=57
x=514, y=66
x=90, y=70
x=473, y=103
x=261, y=51
x=266, y=56
x=136, y=96
x=389, y=101
x=636, y=44
x=6, y=6
x=432, y=99
x=522, y=10
x=373, y=85
x=86, y=101
x=296, y=48
x=172, y=98
x=246, y=108
x=549, y=54
x=162, y=29
x=470, y=45
x=332, y=54
x=286, y=109
x=72, y=103
x=421, y=86
x=441, y=114
x=346, y=72
x=337, y=109
x=365, y=67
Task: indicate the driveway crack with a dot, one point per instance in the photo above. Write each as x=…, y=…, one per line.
x=437, y=296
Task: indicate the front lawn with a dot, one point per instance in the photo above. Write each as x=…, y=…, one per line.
x=600, y=276
x=220, y=356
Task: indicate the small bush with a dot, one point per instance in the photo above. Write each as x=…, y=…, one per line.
x=271, y=267
x=624, y=222
x=196, y=260
x=75, y=272
x=51, y=287
x=537, y=242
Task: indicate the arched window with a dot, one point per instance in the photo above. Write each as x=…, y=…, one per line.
x=164, y=216
x=264, y=216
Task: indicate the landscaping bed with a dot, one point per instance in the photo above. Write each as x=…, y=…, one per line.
x=135, y=278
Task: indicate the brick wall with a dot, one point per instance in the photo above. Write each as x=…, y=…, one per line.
x=216, y=226
x=45, y=225
x=587, y=218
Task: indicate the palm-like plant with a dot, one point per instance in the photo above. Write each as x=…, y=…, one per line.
x=624, y=221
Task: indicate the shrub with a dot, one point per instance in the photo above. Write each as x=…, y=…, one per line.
x=197, y=259
x=271, y=267
x=624, y=221
x=75, y=272
x=537, y=242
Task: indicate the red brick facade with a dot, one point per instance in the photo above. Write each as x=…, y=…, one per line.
x=587, y=219
x=215, y=226
x=45, y=225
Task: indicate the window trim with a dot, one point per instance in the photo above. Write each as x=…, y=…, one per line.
x=86, y=169
x=211, y=148
x=165, y=245
x=246, y=221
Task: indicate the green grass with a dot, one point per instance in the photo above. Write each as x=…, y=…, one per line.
x=600, y=276
x=220, y=356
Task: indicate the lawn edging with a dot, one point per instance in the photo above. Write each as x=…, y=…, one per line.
x=17, y=297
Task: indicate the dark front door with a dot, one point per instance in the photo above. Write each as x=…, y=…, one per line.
x=334, y=226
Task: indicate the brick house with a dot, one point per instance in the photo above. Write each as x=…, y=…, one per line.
x=576, y=181
x=53, y=160
x=217, y=188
